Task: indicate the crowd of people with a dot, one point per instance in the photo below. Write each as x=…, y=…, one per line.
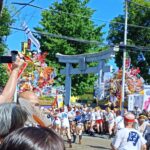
x=129, y=130
x=132, y=129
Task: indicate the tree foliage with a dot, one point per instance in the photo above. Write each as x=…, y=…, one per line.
x=60, y=20
x=140, y=16
x=5, y=22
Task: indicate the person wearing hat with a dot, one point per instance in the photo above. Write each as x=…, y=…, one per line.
x=128, y=137
x=142, y=123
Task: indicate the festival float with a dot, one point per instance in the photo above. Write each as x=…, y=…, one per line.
x=38, y=78
x=134, y=85
x=137, y=94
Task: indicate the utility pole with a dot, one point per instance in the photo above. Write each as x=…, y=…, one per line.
x=124, y=56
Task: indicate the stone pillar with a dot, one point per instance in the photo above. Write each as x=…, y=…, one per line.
x=68, y=84
x=100, y=72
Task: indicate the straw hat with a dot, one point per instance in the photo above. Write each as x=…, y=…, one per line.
x=142, y=117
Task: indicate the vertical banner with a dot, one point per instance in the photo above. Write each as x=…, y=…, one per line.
x=130, y=102
x=146, y=104
x=24, y=47
x=139, y=101
x=60, y=100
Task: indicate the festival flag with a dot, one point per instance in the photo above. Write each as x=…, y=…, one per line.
x=140, y=57
x=31, y=37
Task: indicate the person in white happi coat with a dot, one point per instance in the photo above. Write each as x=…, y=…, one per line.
x=128, y=138
x=65, y=126
x=111, y=121
x=119, y=122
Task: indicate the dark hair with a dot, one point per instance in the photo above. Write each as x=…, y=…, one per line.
x=32, y=138
x=12, y=117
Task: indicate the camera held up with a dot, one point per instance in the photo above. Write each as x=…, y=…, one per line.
x=9, y=59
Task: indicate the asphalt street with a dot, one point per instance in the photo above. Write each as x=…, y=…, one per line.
x=92, y=143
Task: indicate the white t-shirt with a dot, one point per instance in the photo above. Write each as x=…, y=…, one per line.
x=110, y=118
x=64, y=119
x=119, y=121
x=98, y=115
x=128, y=139
x=87, y=116
x=92, y=117
x=71, y=115
x=56, y=121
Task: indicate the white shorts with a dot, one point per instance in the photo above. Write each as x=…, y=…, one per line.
x=57, y=123
x=65, y=125
x=79, y=125
x=111, y=125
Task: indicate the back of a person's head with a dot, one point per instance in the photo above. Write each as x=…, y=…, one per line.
x=129, y=119
x=32, y=138
x=12, y=117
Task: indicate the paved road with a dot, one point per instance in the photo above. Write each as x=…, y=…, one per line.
x=92, y=143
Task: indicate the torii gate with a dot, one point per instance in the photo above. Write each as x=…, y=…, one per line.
x=82, y=60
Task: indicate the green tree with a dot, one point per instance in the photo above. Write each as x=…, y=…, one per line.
x=137, y=15
x=60, y=19
x=5, y=22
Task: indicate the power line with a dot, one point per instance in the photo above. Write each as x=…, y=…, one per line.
x=21, y=9
x=62, y=37
x=138, y=48
x=96, y=19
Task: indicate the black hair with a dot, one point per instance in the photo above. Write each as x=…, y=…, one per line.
x=12, y=117
x=33, y=138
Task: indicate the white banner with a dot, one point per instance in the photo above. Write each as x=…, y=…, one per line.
x=31, y=37
x=139, y=101
x=130, y=102
x=60, y=100
x=135, y=100
x=146, y=104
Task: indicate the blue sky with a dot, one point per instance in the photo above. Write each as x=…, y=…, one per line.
x=104, y=10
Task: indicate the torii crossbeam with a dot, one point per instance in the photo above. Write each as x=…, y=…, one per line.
x=82, y=60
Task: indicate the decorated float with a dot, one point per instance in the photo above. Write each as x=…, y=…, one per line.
x=137, y=94
x=38, y=78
